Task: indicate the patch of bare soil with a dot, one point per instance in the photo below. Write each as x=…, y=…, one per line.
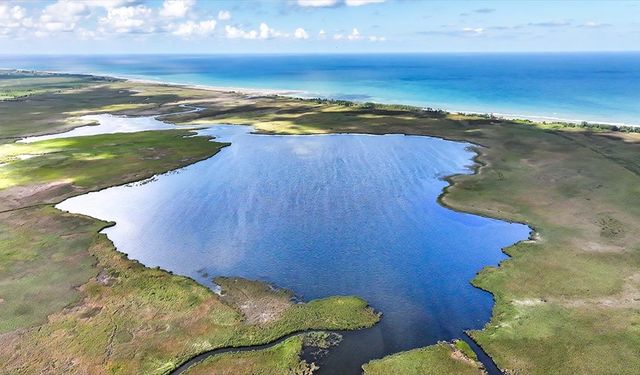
x=263, y=310
x=629, y=297
x=104, y=278
x=23, y=196
x=458, y=355
x=259, y=303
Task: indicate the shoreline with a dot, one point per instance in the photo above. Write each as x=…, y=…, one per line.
x=545, y=119
x=300, y=94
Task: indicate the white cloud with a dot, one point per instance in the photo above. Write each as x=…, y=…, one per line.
x=473, y=31
x=266, y=32
x=594, y=25
x=333, y=3
x=317, y=3
x=130, y=19
x=233, y=32
x=357, y=3
x=62, y=15
x=14, y=13
x=224, y=15
x=66, y=9
x=108, y=4
x=192, y=28
x=85, y=34
x=355, y=34
x=263, y=32
x=300, y=33
x=96, y=19
x=13, y=19
x=176, y=8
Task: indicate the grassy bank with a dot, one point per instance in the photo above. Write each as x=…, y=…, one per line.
x=283, y=358
x=56, y=110
x=441, y=358
x=52, y=170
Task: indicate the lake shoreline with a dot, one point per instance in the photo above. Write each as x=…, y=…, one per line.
x=471, y=170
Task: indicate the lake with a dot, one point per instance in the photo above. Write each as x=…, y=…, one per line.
x=321, y=215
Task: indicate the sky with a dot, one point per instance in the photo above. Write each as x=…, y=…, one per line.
x=315, y=26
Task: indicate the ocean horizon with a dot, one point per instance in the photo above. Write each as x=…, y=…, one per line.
x=578, y=86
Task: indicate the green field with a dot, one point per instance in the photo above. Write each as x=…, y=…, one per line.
x=281, y=359
x=567, y=302
x=21, y=84
x=284, y=358
x=442, y=358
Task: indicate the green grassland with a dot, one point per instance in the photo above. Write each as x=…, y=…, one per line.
x=567, y=302
x=68, y=166
x=39, y=249
x=441, y=358
x=20, y=84
x=281, y=359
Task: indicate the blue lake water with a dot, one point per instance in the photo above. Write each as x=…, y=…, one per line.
x=575, y=86
x=106, y=124
x=321, y=215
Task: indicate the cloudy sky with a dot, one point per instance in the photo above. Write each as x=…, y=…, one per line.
x=309, y=26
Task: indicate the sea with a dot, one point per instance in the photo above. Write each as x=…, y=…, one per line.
x=593, y=87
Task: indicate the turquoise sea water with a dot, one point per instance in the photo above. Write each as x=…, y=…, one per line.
x=598, y=87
